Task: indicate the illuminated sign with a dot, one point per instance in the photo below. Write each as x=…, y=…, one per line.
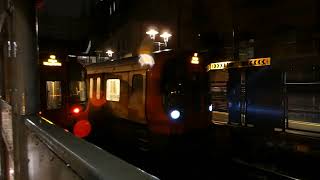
x=195, y=59
x=52, y=61
x=260, y=62
x=218, y=65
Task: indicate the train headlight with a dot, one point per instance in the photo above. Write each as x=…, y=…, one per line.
x=175, y=114
x=210, y=107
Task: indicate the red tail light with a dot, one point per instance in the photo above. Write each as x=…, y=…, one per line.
x=76, y=110
x=82, y=128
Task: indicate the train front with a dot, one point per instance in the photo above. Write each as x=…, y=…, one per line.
x=182, y=105
x=76, y=100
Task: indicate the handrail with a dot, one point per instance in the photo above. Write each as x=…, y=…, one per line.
x=85, y=159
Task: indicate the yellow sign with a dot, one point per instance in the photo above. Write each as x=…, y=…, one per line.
x=195, y=59
x=240, y=64
x=52, y=61
x=218, y=65
x=260, y=62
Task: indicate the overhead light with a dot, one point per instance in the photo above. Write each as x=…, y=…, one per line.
x=152, y=33
x=109, y=52
x=165, y=36
x=211, y=108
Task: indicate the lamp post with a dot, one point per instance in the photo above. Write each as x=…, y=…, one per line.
x=109, y=52
x=165, y=35
x=152, y=33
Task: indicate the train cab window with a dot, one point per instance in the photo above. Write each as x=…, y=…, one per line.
x=91, y=88
x=78, y=91
x=113, y=90
x=54, y=98
x=98, y=88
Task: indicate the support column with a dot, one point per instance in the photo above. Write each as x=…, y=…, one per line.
x=25, y=95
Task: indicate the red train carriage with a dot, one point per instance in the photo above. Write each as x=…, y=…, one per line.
x=63, y=95
x=148, y=98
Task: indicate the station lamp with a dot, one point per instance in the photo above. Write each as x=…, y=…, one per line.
x=165, y=36
x=152, y=33
x=195, y=59
x=109, y=52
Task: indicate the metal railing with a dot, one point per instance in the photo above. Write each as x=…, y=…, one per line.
x=55, y=154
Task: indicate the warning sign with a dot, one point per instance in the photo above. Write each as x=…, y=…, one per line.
x=219, y=65
x=240, y=64
x=260, y=62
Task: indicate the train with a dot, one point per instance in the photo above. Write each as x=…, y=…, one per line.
x=63, y=94
x=267, y=110
x=144, y=101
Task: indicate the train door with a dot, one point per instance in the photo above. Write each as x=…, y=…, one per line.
x=96, y=102
x=137, y=91
x=264, y=91
x=116, y=85
x=53, y=103
x=94, y=91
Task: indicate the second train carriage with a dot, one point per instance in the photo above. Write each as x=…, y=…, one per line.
x=63, y=95
x=148, y=98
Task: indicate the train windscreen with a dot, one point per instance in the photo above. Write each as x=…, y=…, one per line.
x=78, y=91
x=54, y=97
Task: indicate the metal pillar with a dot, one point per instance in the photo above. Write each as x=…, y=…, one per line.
x=25, y=93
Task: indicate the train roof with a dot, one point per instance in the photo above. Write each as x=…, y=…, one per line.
x=119, y=65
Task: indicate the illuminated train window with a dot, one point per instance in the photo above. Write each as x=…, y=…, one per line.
x=54, y=97
x=91, y=88
x=113, y=90
x=78, y=91
x=98, y=88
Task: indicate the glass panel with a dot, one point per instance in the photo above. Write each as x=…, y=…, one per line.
x=54, y=98
x=78, y=91
x=91, y=88
x=113, y=90
x=304, y=103
x=98, y=88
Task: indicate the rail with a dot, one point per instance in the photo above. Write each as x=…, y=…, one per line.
x=263, y=173
x=56, y=154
